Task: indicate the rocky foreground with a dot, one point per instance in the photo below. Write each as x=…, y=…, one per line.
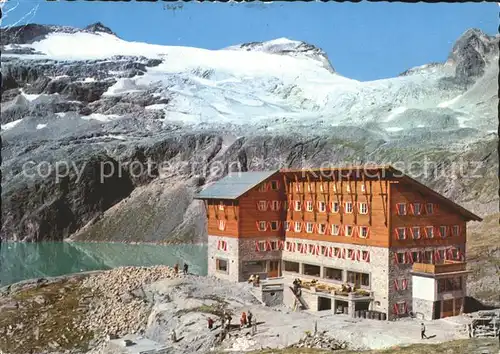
x=84, y=313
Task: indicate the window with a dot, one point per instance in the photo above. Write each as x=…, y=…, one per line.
x=363, y=208
x=456, y=230
x=333, y=273
x=415, y=256
x=262, y=226
x=275, y=205
x=262, y=205
x=364, y=255
x=274, y=185
x=429, y=231
x=297, y=187
x=429, y=256
x=416, y=232
x=309, y=205
x=363, y=188
x=310, y=269
x=335, y=188
x=429, y=208
x=274, y=245
x=450, y=284
x=349, y=253
x=348, y=207
x=348, y=230
x=358, y=279
x=221, y=206
x=335, y=229
x=417, y=209
x=291, y=266
x=298, y=205
x=401, y=257
x=321, y=188
x=222, y=225
x=348, y=188
x=322, y=207
x=221, y=265
x=401, y=231
x=401, y=307
x=274, y=225
x=298, y=226
x=401, y=208
x=309, y=227
x=335, y=207
x=321, y=228
x=263, y=187
x=443, y=230
x=363, y=231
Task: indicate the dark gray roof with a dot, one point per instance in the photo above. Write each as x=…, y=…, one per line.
x=234, y=185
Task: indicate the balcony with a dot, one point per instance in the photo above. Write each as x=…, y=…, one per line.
x=442, y=268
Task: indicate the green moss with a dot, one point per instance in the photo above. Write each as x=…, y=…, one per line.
x=54, y=311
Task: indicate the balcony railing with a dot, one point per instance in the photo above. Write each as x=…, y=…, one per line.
x=446, y=267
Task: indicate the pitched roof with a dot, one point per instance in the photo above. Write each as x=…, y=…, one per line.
x=234, y=185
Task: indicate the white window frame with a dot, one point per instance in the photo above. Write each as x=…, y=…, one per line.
x=445, y=234
x=456, y=230
x=415, y=209
x=262, y=205
x=321, y=188
x=322, y=206
x=348, y=234
x=337, y=228
x=346, y=209
x=404, y=233
x=405, y=210
x=262, y=223
x=361, y=228
x=222, y=225
x=333, y=207
x=297, y=227
x=221, y=206
x=348, y=188
x=335, y=187
x=363, y=188
x=276, y=184
x=275, y=205
x=277, y=225
x=401, y=307
x=429, y=206
x=321, y=229
x=217, y=262
x=431, y=228
x=365, y=205
x=309, y=227
x=287, y=225
x=309, y=187
x=417, y=235
x=297, y=205
x=309, y=205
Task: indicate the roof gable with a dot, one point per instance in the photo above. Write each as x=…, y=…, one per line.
x=234, y=185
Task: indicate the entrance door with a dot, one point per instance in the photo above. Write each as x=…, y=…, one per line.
x=273, y=269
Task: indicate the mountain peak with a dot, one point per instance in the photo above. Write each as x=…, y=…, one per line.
x=99, y=27
x=286, y=46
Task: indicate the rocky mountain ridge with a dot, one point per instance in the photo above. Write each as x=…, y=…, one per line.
x=70, y=100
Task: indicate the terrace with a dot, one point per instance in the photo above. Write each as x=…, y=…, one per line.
x=448, y=267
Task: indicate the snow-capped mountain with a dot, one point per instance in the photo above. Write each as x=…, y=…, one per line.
x=90, y=94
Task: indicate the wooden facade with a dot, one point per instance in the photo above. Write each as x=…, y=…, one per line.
x=349, y=206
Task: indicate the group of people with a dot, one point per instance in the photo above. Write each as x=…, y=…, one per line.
x=245, y=321
x=254, y=279
x=185, y=268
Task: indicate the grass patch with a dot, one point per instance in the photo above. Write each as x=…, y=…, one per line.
x=47, y=319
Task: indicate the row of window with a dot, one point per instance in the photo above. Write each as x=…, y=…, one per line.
x=400, y=284
x=334, y=207
x=450, y=284
x=400, y=308
x=309, y=227
x=415, y=208
x=328, y=251
x=416, y=232
x=273, y=185
x=433, y=256
x=323, y=187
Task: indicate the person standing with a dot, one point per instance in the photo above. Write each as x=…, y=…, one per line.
x=210, y=323
x=422, y=331
x=176, y=268
x=186, y=269
x=249, y=318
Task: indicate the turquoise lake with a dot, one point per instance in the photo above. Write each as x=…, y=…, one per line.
x=21, y=261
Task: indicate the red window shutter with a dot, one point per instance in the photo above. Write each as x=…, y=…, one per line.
x=410, y=230
x=404, y=284
x=367, y=258
x=396, y=285
x=258, y=225
x=358, y=255
x=409, y=257
x=395, y=309
x=396, y=261
x=218, y=244
x=437, y=230
x=318, y=250
x=225, y=245
x=257, y=246
x=406, y=307
x=437, y=256
x=353, y=255
x=268, y=246
x=396, y=233
x=412, y=209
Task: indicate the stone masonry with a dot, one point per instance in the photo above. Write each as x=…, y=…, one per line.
x=377, y=268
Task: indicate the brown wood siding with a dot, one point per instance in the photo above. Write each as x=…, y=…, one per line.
x=441, y=216
x=375, y=219
x=229, y=215
x=250, y=215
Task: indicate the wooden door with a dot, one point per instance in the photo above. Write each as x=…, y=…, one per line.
x=273, y=269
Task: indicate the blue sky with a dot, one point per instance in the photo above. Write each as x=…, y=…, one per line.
x=364, y=41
